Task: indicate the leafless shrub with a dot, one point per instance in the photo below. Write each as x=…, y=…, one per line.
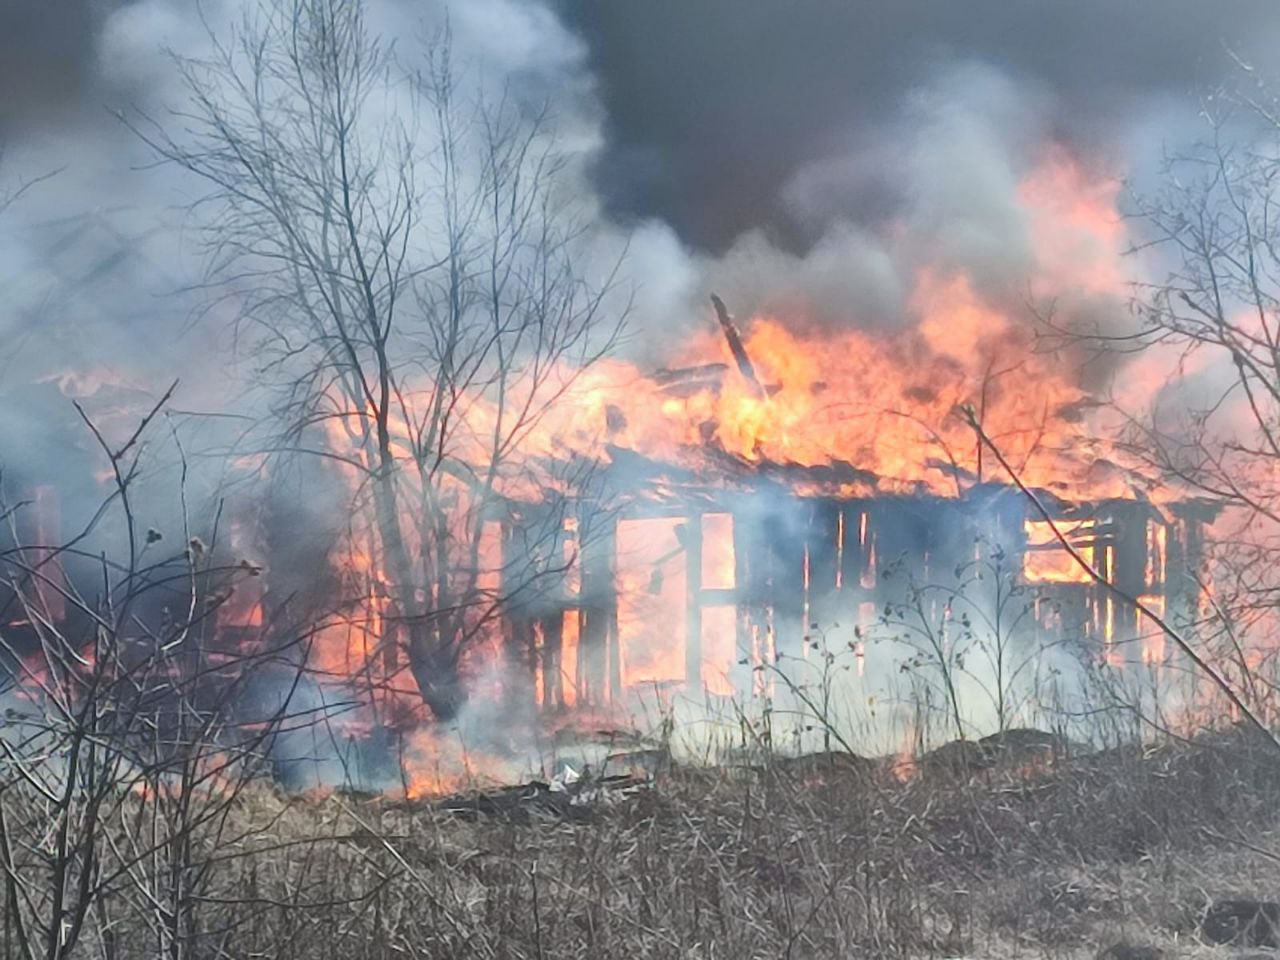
x=130, y=730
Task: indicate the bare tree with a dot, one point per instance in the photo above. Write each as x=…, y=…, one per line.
x=406, y=261
x=11, y=193
x=1214, y=429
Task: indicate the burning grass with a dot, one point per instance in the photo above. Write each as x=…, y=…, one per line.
x=820, y=857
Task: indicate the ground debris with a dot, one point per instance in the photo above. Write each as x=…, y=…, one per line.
x=1130, y=951
x=575, y=800
x=1248, y=923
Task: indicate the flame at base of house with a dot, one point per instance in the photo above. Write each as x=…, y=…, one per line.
x=809, y=619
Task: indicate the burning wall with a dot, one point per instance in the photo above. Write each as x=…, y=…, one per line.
x=700, y=590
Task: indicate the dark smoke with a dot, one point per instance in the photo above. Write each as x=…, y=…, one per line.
x=46, y=60
x=719, y=111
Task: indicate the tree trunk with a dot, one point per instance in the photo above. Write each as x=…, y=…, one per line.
x=432, y=662
x=435, y=670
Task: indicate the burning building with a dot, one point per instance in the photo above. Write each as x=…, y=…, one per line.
x=701, y=575
x=547, y=527
x=782, y=494
x=723, y=513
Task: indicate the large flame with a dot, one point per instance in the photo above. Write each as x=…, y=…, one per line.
x=887, y=402
x=886, y=405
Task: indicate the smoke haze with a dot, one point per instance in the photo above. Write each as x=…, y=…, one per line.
x=808, y=159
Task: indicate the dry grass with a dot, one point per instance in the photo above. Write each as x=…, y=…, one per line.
x=818, y=859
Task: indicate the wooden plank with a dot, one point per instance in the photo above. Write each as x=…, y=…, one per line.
x=693, y=602
x=822, y=539
x=598, y=615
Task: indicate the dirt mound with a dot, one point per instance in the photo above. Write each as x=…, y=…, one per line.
x=1017, y=750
